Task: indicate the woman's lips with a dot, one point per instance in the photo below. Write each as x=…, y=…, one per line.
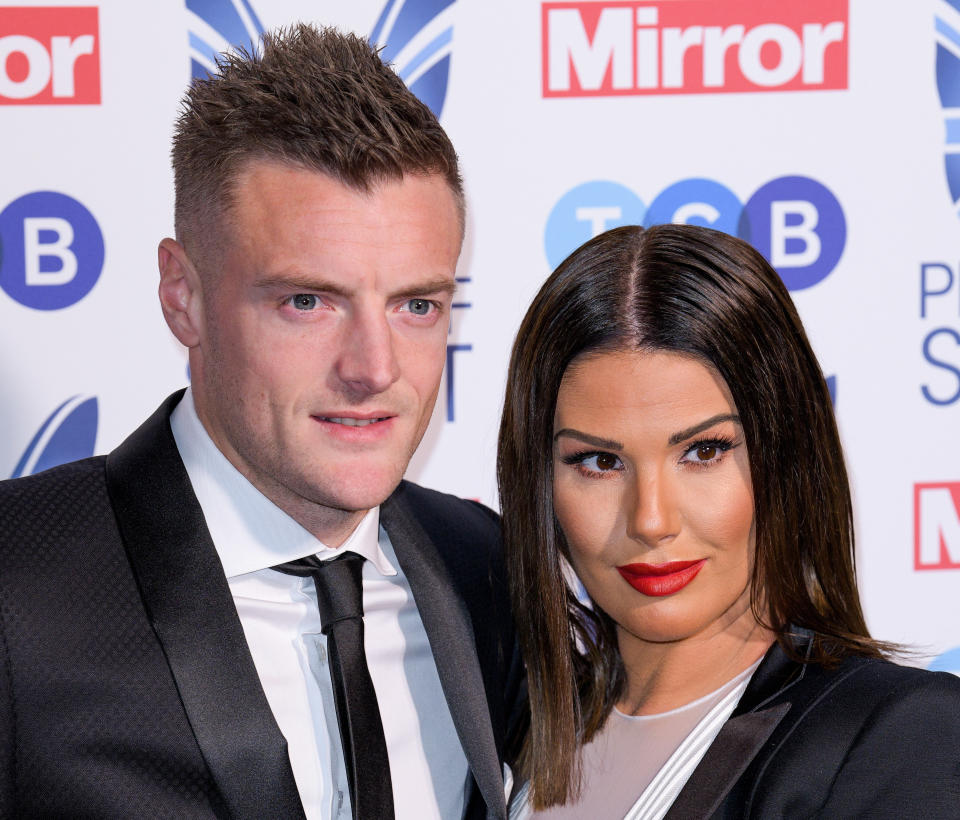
x=661, y=579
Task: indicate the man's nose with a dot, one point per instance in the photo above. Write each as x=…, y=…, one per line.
x=368, y=362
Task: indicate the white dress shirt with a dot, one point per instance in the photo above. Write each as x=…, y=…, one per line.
x=281, y=622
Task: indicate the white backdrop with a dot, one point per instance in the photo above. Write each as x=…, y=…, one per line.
x=834, y=117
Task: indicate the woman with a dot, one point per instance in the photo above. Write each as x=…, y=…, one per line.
x=668, y=434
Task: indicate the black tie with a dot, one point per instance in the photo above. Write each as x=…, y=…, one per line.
x=340, y=599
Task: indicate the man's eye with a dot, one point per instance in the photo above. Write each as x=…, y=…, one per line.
x=419, y=307
x=304, y=301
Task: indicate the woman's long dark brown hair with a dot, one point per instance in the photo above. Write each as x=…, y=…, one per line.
x=701, y=292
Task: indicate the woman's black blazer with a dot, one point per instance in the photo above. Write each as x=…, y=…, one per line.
x=868, y=738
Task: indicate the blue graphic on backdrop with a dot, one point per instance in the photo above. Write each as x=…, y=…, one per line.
x=424, y=68
x=939, y=287
x=68, y=434
x=414, y=35
x=799, y=227
x=696, y=201
x=795, y=222
x=947, y=24
x=236, y=22
x=949, y=661
x=832, y=387
x=588, y=210
x=51, y=250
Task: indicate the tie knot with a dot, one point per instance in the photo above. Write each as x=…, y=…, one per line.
x=339, y=585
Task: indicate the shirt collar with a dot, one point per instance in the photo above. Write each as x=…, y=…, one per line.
x=249, y=531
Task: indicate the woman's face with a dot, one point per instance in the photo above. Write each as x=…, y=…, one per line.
x=652, y=490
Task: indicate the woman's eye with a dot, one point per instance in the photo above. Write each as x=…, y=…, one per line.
x=705, y=453
x=601, y=462
x=304, y=301
x=418, y=307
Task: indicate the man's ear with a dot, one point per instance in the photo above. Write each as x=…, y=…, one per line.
x=181, y=295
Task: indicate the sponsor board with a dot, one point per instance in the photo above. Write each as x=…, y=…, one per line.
x=796, y=222
x=51, y=250
x=936, y=509
x=49, y=55
x=595, y=49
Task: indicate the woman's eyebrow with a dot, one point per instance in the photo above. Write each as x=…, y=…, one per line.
x=586, y=438
x=690, y=432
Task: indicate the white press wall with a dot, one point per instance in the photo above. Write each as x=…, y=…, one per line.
x=869, y=227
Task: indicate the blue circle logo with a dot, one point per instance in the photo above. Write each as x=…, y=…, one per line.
x=51, y=250
x=696, y=202
x=795, y=222
x=949, y=661
x=587, y=211
x=798, y=225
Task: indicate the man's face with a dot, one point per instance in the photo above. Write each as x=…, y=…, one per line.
x=324, y=333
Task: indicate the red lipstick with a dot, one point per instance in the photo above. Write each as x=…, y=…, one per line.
x=661, y=579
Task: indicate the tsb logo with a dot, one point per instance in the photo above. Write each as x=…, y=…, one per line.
x=936, y=510
x=49, y=56
x=795, y=222
x=51, y=250
x=692, y=47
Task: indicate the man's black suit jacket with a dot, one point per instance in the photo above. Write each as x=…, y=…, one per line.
x=867, y=738
x=126, y=685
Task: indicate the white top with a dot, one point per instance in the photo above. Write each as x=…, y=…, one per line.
x=635, y=766
x=281, y=622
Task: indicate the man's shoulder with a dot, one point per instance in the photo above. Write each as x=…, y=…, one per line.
x=67, y=485
x=443, y=509
x=465, y=533
x=63, y=511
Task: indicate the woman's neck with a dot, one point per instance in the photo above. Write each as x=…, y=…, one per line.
x=661, y=676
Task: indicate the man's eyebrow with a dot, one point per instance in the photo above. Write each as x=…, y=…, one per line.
x=586, y=438
x=447, y=286
x=690, y=432
x=293, y=281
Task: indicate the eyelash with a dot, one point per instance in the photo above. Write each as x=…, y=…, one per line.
x=291, y=300
x=576, y=460
x=721, y=443
x=437, y=307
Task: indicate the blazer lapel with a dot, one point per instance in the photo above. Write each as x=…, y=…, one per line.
x=758, y=713
x=450, y=631
x=191, y=609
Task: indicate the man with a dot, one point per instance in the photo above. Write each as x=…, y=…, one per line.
x=152, y=661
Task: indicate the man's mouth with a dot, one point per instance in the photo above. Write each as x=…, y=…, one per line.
x=351, y=422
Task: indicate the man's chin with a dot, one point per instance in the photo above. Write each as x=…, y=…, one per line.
x=356, y=493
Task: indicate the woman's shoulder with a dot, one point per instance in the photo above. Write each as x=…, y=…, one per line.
x=880, y=680
x=861, y=682
x=847, y=736
x=856, y=702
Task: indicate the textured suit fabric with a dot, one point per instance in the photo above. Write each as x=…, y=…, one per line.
x=126, y=688
x=868, y=738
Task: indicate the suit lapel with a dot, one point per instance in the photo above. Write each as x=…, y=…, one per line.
x=191, y=609
x=739, y=740
x=450, y=631
x=734, y=747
